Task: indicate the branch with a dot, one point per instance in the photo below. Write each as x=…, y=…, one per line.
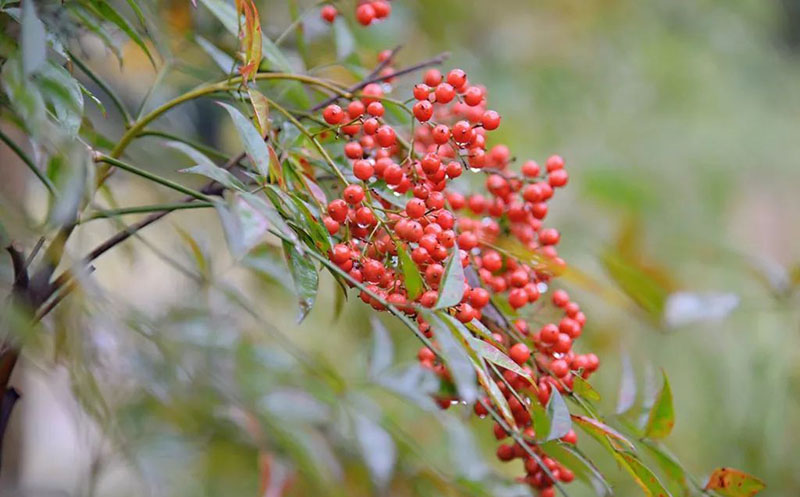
x=434, y=61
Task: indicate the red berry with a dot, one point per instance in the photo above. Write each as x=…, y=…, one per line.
x=337, y=209
x=490, y=120
x=333, y=114
x=382, y=9
x=549, y=236
x=554, y=162
x=423, y=110
x=353, y=194
x=444, y=93
x=531, y=169
x=385, y=136
x=519, y=353
x=365, y=14
x=363, y=169
x=558, y=178
x=415, y=208
x=328, y=13
x=433, y=77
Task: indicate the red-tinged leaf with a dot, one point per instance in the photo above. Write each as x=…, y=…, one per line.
x=260, y=110
x=275, y=168
x=314, y=189
x=642, y=475
x=596, y=427
x=734, y=483
x=250, y=37
x=662, y=415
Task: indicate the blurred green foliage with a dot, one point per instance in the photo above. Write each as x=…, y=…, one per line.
x=678, y=122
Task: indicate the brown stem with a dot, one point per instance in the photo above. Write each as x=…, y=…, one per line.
x=434, y=61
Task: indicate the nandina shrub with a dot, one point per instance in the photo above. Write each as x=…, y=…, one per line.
x=393, y=184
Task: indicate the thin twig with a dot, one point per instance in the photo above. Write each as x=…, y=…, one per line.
x=434, y=61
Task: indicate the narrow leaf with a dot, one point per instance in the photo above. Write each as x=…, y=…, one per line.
x=643, y=475
x=411, y=276
x=597, y=428
x=734, y=483
x=32, y=39
x=496, y=356
x=560, y=422
x=584, y=389
x=252, y=139
x=458, y=361
x=671, y=468
x=106, y=11
x=206, y=167
x=306, y=279
x=223, y=60
x=662, y=416
x=260, y=109
x=451, y=291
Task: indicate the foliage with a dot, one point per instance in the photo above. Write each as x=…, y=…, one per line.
x=218, y=369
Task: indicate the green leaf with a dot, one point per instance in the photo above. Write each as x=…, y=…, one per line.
x=305, y=276
x=104, y=10
x=490, y=386
x=584, y=389
x=672, y=469
x=209, y=169
x=244, y=225
x=627, y=386
x=734, y=483
x=456, y=357
x=411, y=276
x=254, y=143
x=25, y=98
x=32, y=39
x=226, y=14
x=496, y=356
x=649, y=293
x=312, y=226
x=260, y=109
x=662, y=415
x=382, y=348
x=377, y=449
x=451, y=291
x=71, y=171
x=557, y=412
x=600, y=430
x=64, y=93
x=223, y=60
x=643, y=475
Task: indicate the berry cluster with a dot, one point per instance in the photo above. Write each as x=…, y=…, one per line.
x=403, y=202
x=366, y=13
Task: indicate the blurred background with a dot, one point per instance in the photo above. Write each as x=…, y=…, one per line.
x=680, y=124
